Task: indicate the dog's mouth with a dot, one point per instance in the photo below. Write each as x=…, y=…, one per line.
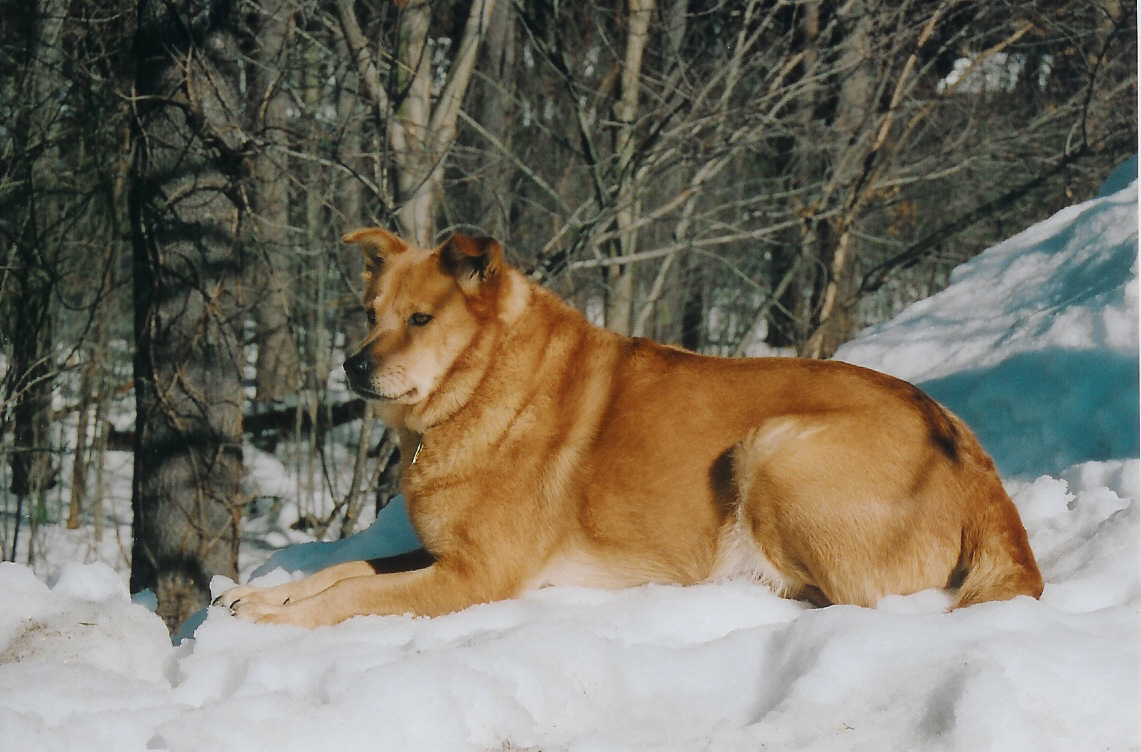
x=364, y=391
x=370, y=394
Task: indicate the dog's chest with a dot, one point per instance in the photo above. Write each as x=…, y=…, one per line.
x=579, y=569
x=448, y=501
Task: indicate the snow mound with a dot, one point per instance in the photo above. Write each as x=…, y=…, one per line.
x=1034, y=343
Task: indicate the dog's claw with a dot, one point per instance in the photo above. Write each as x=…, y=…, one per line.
x=222, y=602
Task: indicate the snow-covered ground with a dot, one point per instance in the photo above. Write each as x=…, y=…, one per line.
x=1035, y=343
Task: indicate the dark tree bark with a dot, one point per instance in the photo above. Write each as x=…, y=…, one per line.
x=185, y=226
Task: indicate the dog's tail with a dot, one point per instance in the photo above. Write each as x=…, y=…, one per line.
x=996, y=558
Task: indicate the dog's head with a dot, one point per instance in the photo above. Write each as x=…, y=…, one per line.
x=424, y=307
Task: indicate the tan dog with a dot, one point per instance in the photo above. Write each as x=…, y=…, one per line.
x=542, y=450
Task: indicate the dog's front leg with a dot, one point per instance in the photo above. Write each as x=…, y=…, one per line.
x=307, y=587
x=435, y=590
x=277, y=595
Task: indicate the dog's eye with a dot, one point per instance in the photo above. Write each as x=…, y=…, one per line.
x=370, y=315
x=419, y=319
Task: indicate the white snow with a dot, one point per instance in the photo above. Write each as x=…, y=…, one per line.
x=1035, y=343
x=991, y=72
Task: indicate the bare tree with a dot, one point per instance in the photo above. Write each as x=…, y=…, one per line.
x=270, y=260
x=29, y=278
x=789, y=145
x=420, y=127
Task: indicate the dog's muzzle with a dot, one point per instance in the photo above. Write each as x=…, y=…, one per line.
x=359, y=368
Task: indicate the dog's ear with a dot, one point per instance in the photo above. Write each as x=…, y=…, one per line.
x=376, y=244
x=474, y=262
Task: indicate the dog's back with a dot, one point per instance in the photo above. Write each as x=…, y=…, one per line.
x=847, y=483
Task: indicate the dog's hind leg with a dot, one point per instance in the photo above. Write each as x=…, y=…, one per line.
x=846, y=509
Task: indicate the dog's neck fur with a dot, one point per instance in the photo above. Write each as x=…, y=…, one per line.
x=475, y=384
x=470, y=369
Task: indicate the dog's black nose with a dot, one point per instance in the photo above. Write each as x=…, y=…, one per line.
x=358, y=366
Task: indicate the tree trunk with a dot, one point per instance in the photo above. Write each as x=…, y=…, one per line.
x=31, y=371
x=99, y=449
x=693, y=309
x=783, y=322
x=849, y=103
x=93, y=396
x=278, y=359
x=81, y=453
x=833, y=322
x=185, y=225
x=620, y=278
x=409, y=129
x=489, y=198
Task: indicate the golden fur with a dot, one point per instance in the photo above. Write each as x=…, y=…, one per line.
x=539, y=449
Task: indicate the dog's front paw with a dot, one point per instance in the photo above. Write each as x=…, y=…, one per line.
x=261, y=612
x=271, y=605
x=258, y=611
x=235, y=594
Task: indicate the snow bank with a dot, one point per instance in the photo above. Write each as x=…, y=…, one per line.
x=1044, y=324
x=1035, y=343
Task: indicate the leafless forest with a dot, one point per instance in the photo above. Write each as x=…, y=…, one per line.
x=722, y=174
